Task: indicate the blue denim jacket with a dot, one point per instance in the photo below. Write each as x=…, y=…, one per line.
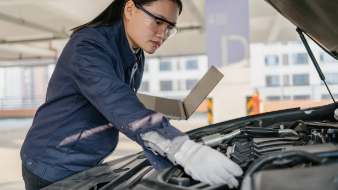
x=88, y=102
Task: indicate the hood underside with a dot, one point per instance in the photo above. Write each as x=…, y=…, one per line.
x=317, y=18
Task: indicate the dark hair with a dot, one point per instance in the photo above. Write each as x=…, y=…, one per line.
x=114, y=12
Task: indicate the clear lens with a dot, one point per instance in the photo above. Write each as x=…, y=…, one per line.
x=159, y=26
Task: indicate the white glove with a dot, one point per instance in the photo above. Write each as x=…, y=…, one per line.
x=201, y=162
x=207, y=165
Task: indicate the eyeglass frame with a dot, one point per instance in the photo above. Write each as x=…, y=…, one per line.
x=155, y=17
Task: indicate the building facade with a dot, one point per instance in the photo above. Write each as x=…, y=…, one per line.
x=284, y=71
x=173, y=77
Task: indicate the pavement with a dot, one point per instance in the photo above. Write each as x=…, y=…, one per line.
x=13, y=132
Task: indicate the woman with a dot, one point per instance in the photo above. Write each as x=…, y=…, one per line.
x=91, y=98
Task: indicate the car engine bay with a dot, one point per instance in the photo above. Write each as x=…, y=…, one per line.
x=284, y=148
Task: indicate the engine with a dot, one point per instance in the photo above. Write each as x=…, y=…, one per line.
x=282, y=155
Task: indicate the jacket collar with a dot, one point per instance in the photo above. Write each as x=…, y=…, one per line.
x=127, y=56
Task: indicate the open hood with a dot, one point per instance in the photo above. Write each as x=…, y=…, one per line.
x=317, y=18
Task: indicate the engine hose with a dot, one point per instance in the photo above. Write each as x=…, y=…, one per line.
x=260, y=163
x=304, y=126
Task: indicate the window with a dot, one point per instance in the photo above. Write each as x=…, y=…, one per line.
x=299, y=80
x=269, y=98
x=300, y=59
x=285, y=59
x=191, y=65
x=271, y=60
x=190, y=84
x=327, y=96
x=272, y=80
x=28, y=82
x=301, y=97
x=144, y=86
x=286, y=81
x=287, y=98
x=331, y=78
x=166, y=85
x=326, y=58
x=165, y=66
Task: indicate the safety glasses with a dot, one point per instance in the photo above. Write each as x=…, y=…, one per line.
x=158, y=25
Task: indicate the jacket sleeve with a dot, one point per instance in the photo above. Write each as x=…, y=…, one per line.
x=94, y=75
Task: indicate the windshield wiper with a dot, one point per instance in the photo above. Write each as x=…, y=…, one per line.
x=314, y=61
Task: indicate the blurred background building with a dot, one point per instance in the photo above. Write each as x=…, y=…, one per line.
x=33, y=34
x=285, y=76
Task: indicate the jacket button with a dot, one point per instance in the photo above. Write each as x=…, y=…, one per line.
x=29, y=163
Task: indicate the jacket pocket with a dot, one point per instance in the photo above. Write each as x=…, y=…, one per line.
x=93, y=144
x=77, y=140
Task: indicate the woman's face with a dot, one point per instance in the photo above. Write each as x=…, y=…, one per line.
x=138, y=30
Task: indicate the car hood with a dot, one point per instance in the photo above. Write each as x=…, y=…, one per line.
x=134, y=172
x=317, y=18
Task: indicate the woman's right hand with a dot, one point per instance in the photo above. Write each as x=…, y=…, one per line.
x=207, y=165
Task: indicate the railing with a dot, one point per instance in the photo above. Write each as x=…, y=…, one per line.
x=21, y=103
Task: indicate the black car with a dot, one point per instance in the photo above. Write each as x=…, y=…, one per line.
x=287, y=149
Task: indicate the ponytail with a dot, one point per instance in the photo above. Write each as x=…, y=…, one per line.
x=108, y=17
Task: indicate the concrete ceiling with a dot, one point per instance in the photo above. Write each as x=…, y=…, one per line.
x=40, y=28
